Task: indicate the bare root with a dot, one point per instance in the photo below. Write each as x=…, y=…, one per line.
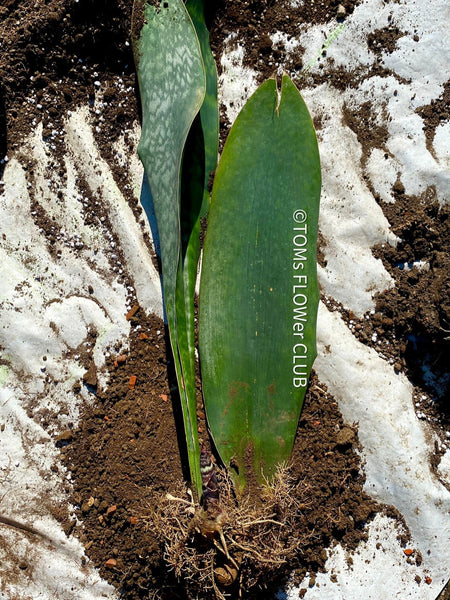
x=238, y=546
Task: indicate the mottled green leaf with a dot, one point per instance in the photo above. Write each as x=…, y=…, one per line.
x=172, y=85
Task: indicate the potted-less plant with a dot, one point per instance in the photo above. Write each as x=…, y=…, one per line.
x=258, y=292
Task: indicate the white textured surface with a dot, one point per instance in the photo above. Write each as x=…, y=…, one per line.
x=145, y=278
x=47, y=311
x=237, y=82
x=350, y=219
x=379, y=570
x=396, y=445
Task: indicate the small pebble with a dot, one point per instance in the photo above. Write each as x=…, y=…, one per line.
x=341, y=12
x=65, y=436
x=345, y=436
x=111, y=563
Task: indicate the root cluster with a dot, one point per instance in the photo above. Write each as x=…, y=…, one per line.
x=236, y=545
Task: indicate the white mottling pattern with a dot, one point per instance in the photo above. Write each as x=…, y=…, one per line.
x=172, y=83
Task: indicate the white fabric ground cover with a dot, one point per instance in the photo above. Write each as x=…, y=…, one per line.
x=46, y=311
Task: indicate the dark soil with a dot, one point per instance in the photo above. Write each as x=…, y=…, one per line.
x=124, y=457
x=125, y=454
x=435, y=113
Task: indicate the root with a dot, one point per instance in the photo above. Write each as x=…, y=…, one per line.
x=239, y=546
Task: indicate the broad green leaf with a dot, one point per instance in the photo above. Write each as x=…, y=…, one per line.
x=172, y=85
x=259, y=292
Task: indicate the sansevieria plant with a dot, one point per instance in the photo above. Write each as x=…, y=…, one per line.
x=258, y=289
